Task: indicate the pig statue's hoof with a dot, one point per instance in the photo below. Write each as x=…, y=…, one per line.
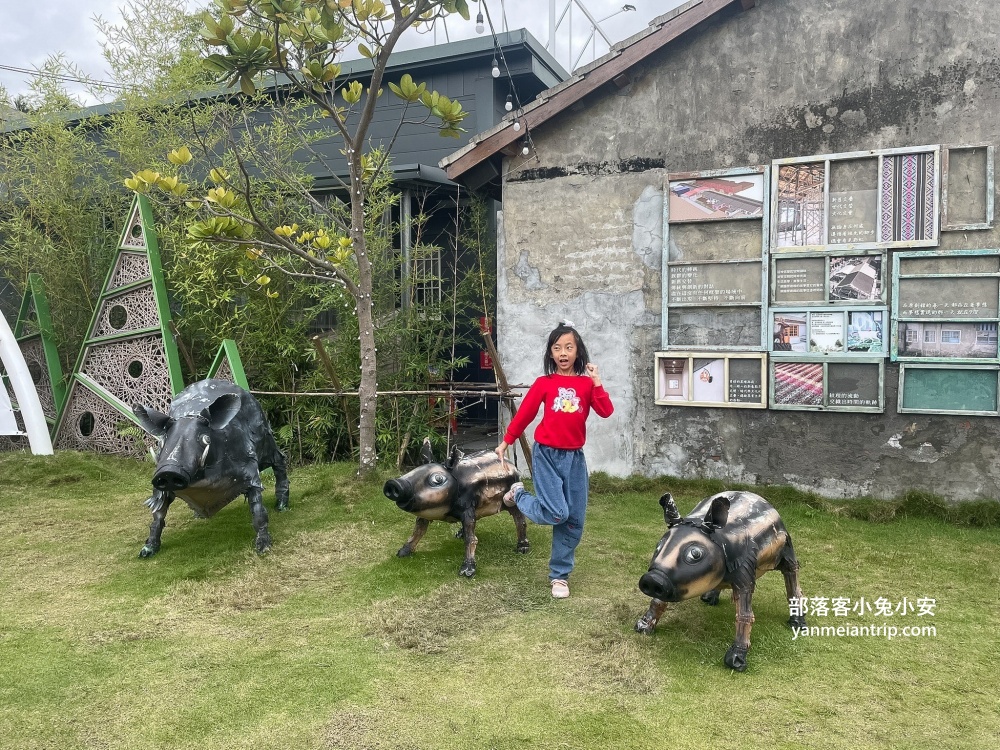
x=147, y=551
x=263, y=543
x=645, y=626
x=796, y=622
x=404, y=551
x=736, y=658
x=524, y=547
x=468, y=569
x=710, y=597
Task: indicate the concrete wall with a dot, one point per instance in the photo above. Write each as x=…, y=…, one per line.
x=582, y=230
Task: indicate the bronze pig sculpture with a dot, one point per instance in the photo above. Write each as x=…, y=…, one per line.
x=213, y=446
x=729, y=540
x=464, y=490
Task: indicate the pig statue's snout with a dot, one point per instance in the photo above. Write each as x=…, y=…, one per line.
x=656, y=585
x=171, y=479
x=398, y=490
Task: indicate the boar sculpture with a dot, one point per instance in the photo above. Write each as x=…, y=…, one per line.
x=462, y=491
x=213, y=445
x=728, y=541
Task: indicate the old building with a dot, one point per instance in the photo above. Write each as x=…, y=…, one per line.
x=773, y=338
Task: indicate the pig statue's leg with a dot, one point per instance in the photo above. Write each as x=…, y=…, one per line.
x=468, y=568
x=647, y=623
x=281, y=481
x=158, y=502
x=258, y=515
x=736, y=656
x=418, y=533
x=711, y=597
x=521, y=523
x=790, y=570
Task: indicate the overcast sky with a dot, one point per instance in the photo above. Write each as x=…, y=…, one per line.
x=32, y=31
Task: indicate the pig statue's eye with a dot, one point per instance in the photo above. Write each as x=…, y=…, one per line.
x=436, y=480
x=693, y=554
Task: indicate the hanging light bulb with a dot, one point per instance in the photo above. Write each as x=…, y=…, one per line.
x=509, y=105
x=496, y=68
x=525, y=150
x=517, y=126
x=479, y=23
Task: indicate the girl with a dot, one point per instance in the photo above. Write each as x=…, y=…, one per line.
x=570, y=387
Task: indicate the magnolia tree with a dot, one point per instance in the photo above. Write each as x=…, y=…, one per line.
x=302, y=41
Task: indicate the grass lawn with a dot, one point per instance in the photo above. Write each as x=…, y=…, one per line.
x=331, y=641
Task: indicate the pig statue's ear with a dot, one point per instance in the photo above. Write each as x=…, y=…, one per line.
x=150, y=419
x=222, y=410
x=456, y=456
x=670, y=514
x=426, y=454
x=718, y=514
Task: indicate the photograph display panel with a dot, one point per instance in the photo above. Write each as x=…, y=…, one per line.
x=714, y=268
x=828, y=385
x=707, y=379
x=856, y=201
x=967, y=187
x=828, y=279
x=947, y=390
x=845, y=333
x=717, y=198
x=946, y=307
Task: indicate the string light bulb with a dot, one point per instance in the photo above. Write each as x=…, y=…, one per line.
x=479, y=23
x=525, y=150
x=517, y=126
x=509, y=105
x=496, y=68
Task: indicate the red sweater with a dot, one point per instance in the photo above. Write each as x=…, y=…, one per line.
x=567, y=400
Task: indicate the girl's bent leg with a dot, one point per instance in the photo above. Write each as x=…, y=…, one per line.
x=548, y=506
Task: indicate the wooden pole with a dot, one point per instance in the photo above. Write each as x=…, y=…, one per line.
x=504, y=387
x=331, y=373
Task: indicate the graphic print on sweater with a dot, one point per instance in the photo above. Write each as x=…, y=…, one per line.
x=567, y=401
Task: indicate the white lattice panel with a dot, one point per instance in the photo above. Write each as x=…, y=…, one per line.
x=91, y=424
x=131, y=267
x=34, y=357
x=134, y=236
x=133, y=311
x=134, y=371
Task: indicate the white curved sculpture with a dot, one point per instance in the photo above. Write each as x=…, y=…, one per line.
x=35, y=426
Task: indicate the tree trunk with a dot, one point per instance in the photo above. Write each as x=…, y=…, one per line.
x=366, y=325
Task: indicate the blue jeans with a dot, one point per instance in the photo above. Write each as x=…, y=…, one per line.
x=561, y=483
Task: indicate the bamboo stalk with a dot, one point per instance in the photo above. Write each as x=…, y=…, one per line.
x=504, y=387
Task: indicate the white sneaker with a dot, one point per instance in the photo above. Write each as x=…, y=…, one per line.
x=508, y=498
x=560, y=589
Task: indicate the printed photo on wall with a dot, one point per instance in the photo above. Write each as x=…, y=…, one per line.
x=709, y=380
x=717, y=198
x=798, y=383
x=790, y=333
x=907, y=197
x=856, y=277
x=826, y=332
x=865, y=331
x=673, y=379
x=951, y=340
x=801, y=214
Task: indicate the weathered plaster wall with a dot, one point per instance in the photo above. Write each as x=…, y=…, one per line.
x=582, y=236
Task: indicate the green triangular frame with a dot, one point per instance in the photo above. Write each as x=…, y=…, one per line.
x=131, y=323
x=227, y=365
x=36, y=340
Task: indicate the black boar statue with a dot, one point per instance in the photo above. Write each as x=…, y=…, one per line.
x=462, y=491
x=213, y=446
x=728, y=541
